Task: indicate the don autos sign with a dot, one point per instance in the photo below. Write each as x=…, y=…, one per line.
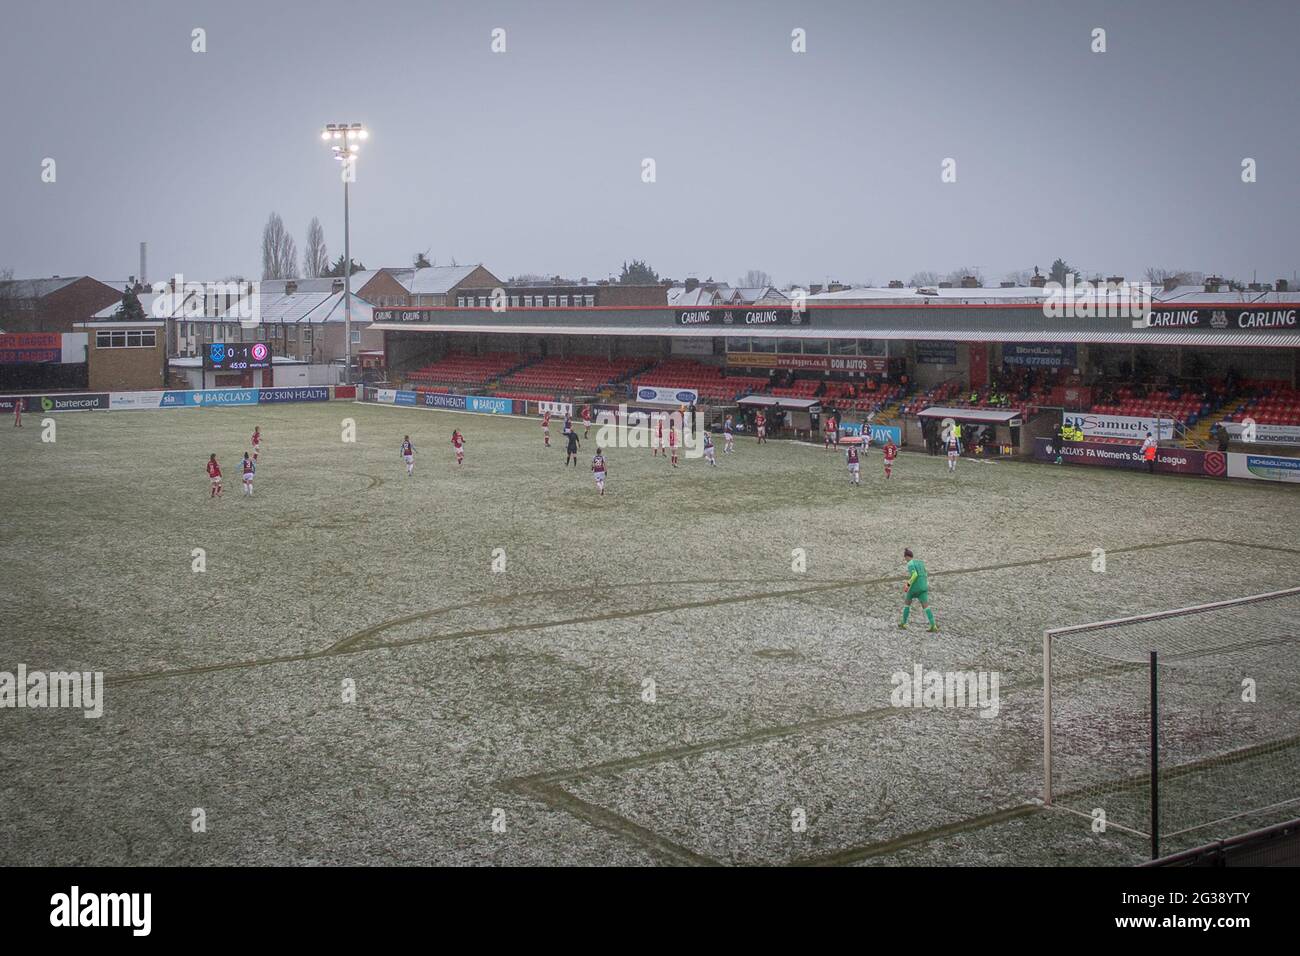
x=745, y=316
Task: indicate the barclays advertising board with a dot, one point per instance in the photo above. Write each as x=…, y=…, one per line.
x=491, y=406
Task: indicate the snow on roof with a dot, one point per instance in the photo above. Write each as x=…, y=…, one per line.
x=913, y=296
x=433, y=280
x=156, y=305
x=1197, y=293
x=36, y=288
x=300, y=307
x=678, y=297
x=997, y=416
x=322, y=284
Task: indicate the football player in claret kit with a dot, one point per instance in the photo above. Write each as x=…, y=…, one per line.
x=257, y=441
x=855, y=465
x=214, y=473
x=586, y=420
x=918, y=589
x=598, y=469
x=546, y=429
x=249, y=468
x=458, y=443
x=658, y=443
x=408, y=455
x=672, y=441
x=890, y=452
x=954, y=449
x=709, y=451
x=728, y=435
x=760, y=428
x=18, y=412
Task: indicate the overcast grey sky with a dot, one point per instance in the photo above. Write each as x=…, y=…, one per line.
x=813, y=165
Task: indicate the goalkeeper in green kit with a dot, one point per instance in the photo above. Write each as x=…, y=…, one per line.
x=918, y=589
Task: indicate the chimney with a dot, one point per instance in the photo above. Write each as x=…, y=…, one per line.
x=335, y=286
x=945, y=285
x=836, y=286
x=1281, y=285
x=814, y=288
x=291, y=286
x=1037, y=281
x=1170, y=283
x=895, y=283
x=582, y=281
x=1006, y=285
x=970, y=282
x=1213, y=283
x=692, y=284
x=1114, y=280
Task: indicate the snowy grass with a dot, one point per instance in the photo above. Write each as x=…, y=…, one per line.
x=526, y=691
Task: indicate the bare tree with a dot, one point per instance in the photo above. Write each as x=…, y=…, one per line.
x=279, y=252
x=756, y=279
x=315, y=258
x=924, y=278
x=957, y=275
x=1020, y=277
x=1157, y=276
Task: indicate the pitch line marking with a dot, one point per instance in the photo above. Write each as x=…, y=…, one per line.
x=349, y=644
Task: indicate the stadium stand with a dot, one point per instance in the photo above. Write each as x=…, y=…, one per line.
x=1268, y=403
x=458, y=369
x=710, y=381
x=582, y=374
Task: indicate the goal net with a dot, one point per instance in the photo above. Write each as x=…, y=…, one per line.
x=1182, y=726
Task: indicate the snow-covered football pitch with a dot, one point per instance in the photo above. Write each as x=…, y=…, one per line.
x=491, y=664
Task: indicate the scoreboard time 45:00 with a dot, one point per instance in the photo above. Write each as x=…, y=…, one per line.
x=236, y=357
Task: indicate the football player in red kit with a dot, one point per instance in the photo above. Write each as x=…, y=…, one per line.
x=586, y=420
x=257, y=441
x=18, y=412
x=214, y=472
x=672, y=441
x=458, y=443
x=546, y=429
x=760, y=428
x=890, y=453
x=659, y=435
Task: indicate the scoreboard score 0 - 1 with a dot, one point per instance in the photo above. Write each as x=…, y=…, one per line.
x=236, y=357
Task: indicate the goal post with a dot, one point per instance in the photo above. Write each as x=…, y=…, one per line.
x=1176, y=724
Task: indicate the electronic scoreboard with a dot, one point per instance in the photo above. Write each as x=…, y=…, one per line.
x=237, y=356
